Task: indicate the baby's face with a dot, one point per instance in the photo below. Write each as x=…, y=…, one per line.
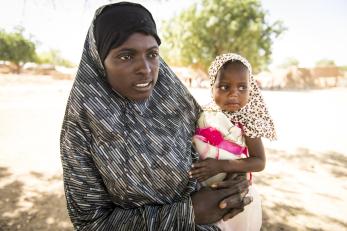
x=231, y=89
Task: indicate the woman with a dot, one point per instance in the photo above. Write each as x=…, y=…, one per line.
x=126, y=138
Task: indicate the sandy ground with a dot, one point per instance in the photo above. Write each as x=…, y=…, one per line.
x=303, y=187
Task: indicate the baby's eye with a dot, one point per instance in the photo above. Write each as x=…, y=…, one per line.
x=223, y=88
x=242, y=88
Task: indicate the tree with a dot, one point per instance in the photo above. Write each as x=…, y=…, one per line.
x=211, y=27
x=14, y=47
x=325, y=63
x=54, y=57
x=290, y=62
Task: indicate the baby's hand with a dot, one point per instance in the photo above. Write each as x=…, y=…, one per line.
x=202, y=170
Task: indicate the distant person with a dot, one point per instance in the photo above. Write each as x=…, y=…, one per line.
x=190, y=81
x=126, y=140
x=228, y=137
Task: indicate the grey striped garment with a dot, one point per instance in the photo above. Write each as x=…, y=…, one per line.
x=125, y=164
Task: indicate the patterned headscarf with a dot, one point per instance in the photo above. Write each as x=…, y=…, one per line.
x=111, y=31
x=254, y=116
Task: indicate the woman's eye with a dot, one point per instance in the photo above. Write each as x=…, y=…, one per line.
x=154, y=54
x=125, y=57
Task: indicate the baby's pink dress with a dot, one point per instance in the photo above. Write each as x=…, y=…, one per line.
x=218, y=138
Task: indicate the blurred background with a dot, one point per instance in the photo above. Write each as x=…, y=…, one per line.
x=298, y=53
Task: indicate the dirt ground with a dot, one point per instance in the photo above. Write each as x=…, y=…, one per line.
x=303, y=187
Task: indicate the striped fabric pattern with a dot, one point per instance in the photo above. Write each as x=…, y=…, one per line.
x=125, y=164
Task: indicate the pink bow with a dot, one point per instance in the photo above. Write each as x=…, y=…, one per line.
x=214, y=137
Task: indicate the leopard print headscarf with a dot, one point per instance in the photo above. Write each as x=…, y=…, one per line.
x=254, y=116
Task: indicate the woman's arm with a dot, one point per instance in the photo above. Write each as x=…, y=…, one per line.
x=89, y=204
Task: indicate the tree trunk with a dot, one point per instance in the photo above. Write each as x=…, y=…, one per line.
x=18, y=68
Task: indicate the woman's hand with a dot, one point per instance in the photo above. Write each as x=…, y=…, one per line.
x=225, y=200
x=238, y=184
x=205, y=204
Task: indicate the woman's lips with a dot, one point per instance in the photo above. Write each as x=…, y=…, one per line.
x=143, y=86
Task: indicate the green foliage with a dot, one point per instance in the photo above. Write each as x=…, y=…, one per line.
x=343, y=68
x=14, y=47
x=290, y=62
x=53, y=57
x=212, y=27
x=325, y=63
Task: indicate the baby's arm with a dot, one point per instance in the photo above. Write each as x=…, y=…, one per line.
x=254, y=163
x=207, y=168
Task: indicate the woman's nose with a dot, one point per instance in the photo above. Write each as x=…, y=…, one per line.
x=144, y=66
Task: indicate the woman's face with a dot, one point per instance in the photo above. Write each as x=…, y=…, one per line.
x=132, y=68
x=231, y=89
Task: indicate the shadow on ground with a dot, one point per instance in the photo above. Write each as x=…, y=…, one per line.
x=280, y=216
x=23, y=209
x=284, y=211
x=31, y=210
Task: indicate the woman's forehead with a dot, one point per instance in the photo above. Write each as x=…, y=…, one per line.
x=138, y=42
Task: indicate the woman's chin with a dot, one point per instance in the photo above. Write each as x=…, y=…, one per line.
x=143, y=96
